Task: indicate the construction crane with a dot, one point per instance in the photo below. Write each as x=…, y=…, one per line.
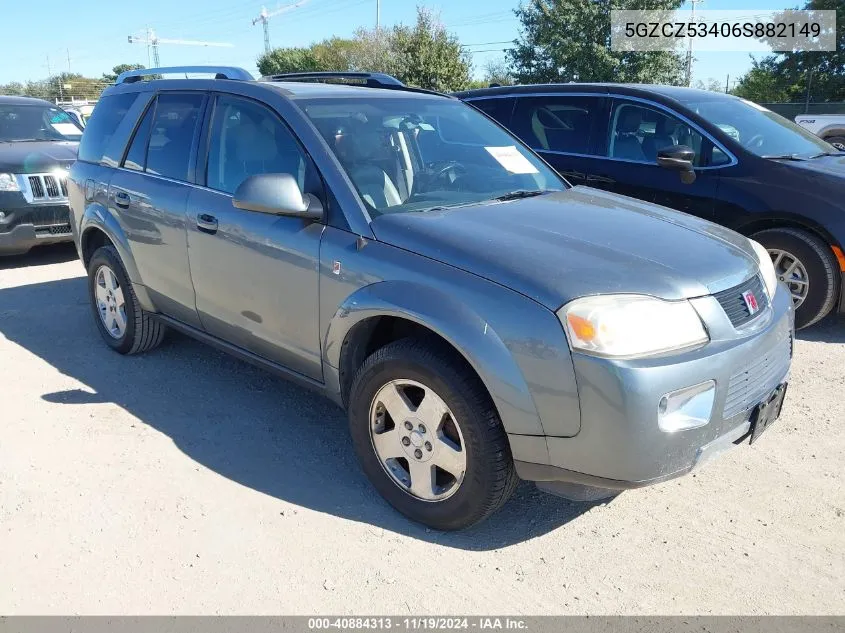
x=264, y=18
x=152, y=41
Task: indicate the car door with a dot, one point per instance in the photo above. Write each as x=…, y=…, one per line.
x=562, y=129
x=150, y=192
x=635, y=132
x=255, y=274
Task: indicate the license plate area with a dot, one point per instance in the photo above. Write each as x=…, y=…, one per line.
x=765, y=414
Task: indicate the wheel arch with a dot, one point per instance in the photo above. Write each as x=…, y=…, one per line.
x=786, y=220
x=98, y=228
x=385, y=311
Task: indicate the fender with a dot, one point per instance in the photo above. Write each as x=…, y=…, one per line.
x=97, y=216
x=457, y=323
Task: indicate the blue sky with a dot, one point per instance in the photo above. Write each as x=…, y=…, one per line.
x=95, y=32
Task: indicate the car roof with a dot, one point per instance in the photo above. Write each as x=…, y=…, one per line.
x=676, y=93
x=15, y=100
x=321, y=90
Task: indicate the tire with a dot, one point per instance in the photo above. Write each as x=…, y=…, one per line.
x=141, y=331
x=839, y=140
x=489, y=478
x=821, y=267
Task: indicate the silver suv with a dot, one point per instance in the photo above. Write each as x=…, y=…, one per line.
x=480, y=319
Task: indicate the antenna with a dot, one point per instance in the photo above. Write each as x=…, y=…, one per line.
x=153, y=41
x=264, y=18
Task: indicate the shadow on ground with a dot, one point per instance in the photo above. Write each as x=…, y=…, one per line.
x=40, y=256
x=829, y=330
x=238, y=420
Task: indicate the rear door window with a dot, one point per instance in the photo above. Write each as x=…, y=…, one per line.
x=174, y=131
x=556, y=123
x=102, y=125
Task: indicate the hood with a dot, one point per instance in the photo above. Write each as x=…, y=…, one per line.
x=582, y=241
x=827, y=165
x=32, y=157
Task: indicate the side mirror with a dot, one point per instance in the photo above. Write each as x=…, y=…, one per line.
x=678, y=158
x=277, y=194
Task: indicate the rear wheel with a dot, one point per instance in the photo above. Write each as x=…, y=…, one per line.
x=428, y=436
x=808, y=267
x=124, y=326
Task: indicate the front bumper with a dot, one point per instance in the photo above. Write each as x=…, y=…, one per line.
x=24, y=225
x=620, y=445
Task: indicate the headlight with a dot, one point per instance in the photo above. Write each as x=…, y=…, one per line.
x=8, y=183
x=767, y=268
x=631, y=325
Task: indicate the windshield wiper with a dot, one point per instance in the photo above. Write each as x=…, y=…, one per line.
x=819, y=155
x=785, y=157
x=521, y=193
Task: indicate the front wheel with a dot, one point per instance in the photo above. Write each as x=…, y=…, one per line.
x=428, y=436
x=808, y=267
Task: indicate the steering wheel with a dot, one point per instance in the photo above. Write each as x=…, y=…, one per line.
x=449, y=166
x=756, y=140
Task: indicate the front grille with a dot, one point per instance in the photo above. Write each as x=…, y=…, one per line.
x=734, y=305
x=37, y=186
x=751, y=384
x=46, y=188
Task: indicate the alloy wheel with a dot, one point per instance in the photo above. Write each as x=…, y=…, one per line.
x=792, y=272
x=417, y=440
x=111, y=305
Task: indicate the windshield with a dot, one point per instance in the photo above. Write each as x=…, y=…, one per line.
x=757, y=129
x=36, y=123
x=414, y=154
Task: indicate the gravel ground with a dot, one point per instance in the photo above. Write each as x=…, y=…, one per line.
x=184, y=481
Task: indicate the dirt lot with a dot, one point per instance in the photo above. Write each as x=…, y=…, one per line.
x=185, y=481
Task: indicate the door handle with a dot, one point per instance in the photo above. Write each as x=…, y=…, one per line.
x=207, y=223
x=121, y=199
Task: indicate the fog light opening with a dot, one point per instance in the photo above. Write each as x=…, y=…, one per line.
x=687, y=408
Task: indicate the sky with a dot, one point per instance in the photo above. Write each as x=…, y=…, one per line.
x=93, y=33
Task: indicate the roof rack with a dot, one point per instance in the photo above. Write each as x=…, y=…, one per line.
x=220, y=72
x=371, y=80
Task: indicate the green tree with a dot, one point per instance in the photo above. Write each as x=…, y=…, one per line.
x=120, y=68
x=497, y=71
x=289, y=60
x=712, y=84
x=785, y=76
x=428, y=56
x=13, y=88
x=423, y=55
x=569, y=40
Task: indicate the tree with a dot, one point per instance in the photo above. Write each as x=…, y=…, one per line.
x=423, y=55
x=428, y=56
x=289, y=60
x=13, y=88
x=120, y=68
x=569, y=40
x=497, y=71
x=786, y=76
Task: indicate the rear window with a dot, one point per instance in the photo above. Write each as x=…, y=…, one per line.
x=102, y=125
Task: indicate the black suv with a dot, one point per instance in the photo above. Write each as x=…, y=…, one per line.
x=734, y=162
x=38, y=143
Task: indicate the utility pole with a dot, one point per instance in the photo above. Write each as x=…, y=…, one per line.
x=727, y=83
x=689, y=51
x=68, y=59
x=264, y=18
